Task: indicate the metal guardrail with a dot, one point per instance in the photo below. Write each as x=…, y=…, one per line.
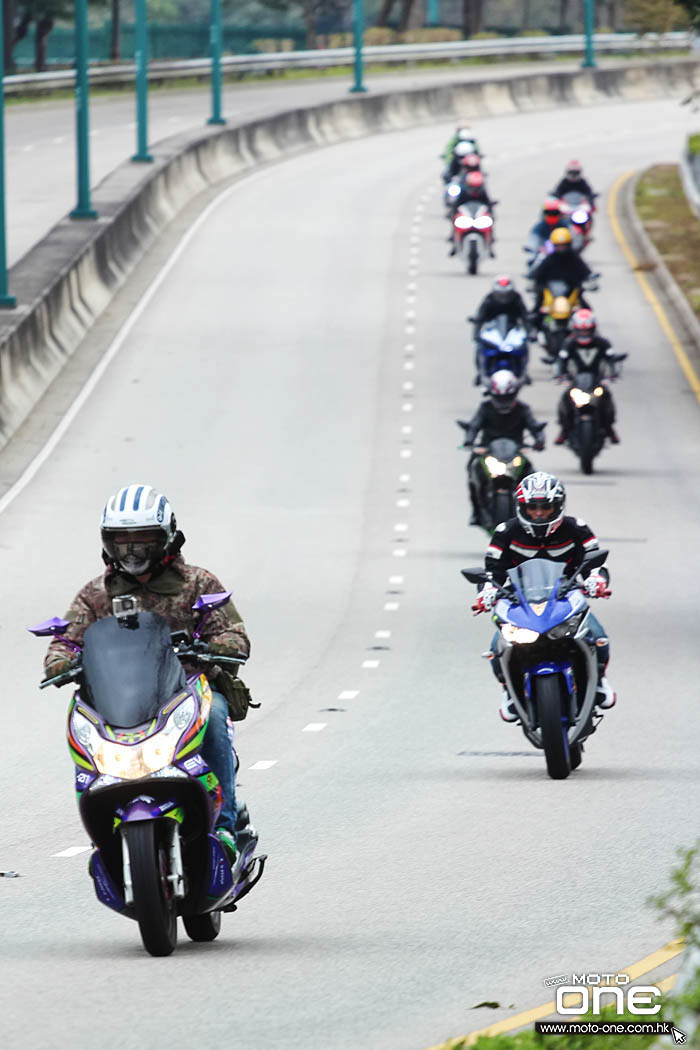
x=278, y=61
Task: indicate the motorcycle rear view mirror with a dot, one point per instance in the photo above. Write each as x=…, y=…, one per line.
x=206, y=604
x=593, y=560
x=475, y=575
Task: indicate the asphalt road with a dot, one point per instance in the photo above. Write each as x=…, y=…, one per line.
x=292, y=386
x=40, y=135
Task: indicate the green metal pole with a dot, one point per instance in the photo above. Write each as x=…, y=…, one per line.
x=215, y=38
x=433, y=13
x=5, y=299
x=83, y=209
x=141, y=58
x=589, y=30
x=358, y=28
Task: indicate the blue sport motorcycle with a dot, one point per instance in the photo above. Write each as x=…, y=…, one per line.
x=547, y=657
x=500, y=346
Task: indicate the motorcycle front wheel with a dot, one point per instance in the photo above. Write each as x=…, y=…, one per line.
x=472, y=258
x=154, y=902
x=586, y=445
x=550, y=707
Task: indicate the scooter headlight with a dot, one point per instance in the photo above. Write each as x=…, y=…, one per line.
x=131, y=761
x=495, y=467
x=579, y=397
x=518, y=635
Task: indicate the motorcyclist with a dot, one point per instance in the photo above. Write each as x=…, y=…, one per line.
x=574, y=182
x=586, y=351
x=462, y=149
x=564, y=264
x=552, y=217
x=473, y=191
x=141, y=548
x=462, y=133
x=502, y=299
x=500, y=415
x=541, y=529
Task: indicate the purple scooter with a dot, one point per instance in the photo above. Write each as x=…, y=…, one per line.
x=147, y=799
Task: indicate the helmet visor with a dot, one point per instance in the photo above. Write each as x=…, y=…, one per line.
x=540, y=512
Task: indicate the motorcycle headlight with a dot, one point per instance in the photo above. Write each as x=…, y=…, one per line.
x=518, y=635
x=484, y=222
x=464, y=222
x=131, y=761
x=579, y=397
x=599, y=391
x=580, y=216
x=517, y=461
x=568, y=628
x=85, y=732
x=494, y=466
x=453, y=191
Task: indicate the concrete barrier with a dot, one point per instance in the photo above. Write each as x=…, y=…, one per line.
x=66, y=281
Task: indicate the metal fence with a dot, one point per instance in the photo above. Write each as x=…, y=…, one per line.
x=277, y=61
x=191, y=41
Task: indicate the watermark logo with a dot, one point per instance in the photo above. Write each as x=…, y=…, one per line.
x=590, y=992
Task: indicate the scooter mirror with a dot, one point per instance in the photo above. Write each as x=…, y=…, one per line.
x=54, y=626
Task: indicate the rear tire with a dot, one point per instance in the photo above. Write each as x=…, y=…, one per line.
x=203, y=927
x=472, y=258
x=154, y=903
x=549, y=697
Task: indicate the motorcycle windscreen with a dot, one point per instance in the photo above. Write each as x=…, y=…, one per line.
x=503, y=449
x=536, y=580
x=129, y=673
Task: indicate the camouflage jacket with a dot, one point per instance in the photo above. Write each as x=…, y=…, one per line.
x=171, y=594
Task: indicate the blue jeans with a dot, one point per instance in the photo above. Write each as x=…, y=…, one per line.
x=595, y=631
x=217, y=752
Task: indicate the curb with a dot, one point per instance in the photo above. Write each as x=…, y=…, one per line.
x=648, y=258
x=65, y=282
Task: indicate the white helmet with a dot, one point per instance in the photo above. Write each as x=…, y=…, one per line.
x=539, y=504
x=138, y=529
x=465, y=147
x=503, y=390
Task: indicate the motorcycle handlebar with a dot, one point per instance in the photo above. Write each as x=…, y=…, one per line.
x=203, y=656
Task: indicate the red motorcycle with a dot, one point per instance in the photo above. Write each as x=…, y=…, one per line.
x=579, y=211
x=472, y=232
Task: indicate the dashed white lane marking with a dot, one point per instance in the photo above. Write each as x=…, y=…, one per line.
x=409, y=366
x=264, y=763
x=401, y=526
x=391, y=606
x=407, y=429
x=410, y=329
x=72, y=851
x=395, y=579
x=370, y=663
x=411, y=298
x=405, y=453
x=95, y=132
x=399, y=552
x=58, y=140
x=382, y=634
x=410, y=314
x=27, y=149
x=348, y=694
x=403, y=502
x=408, y=407
x=409, y=348
x=403, y=478
x=314, y=727
x=411, y=286
x=408, y=385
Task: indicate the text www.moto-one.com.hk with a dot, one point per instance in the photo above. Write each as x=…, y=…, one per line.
x=603, y=1027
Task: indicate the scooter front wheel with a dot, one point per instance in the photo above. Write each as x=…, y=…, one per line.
x=154, y=902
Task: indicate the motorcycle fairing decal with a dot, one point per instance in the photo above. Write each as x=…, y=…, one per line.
x=220, y=878
x=209, y=780
x=105, y=889
x=78, y=755
x=194, y=742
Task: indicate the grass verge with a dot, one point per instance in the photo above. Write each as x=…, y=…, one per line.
x=672, y=226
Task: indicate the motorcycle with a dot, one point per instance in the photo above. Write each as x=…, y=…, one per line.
x=147, y=798
x=472, y=230
x=556, y=327
x=452, y=191
x=548, y=661
x=499, y=346
x=493, y=474
x=585, y=408
x=579, y=212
